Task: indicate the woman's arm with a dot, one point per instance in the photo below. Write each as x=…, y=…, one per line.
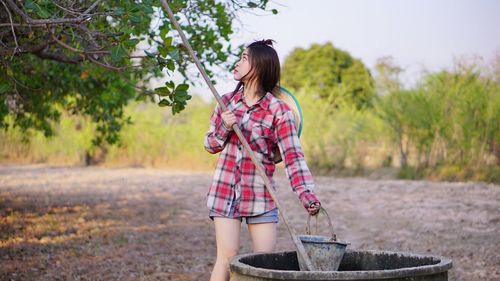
x=296, y=168
x=217, y=135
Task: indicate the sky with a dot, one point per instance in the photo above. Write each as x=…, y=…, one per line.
x=418, y=34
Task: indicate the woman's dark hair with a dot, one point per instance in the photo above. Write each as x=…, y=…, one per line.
x=266, y=64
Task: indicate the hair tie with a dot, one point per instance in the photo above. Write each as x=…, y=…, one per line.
x=267, y=42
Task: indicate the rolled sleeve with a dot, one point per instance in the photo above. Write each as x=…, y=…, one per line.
x=307, y=197
x=217, y=135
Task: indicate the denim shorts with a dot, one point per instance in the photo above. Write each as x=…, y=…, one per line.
x=270, y=216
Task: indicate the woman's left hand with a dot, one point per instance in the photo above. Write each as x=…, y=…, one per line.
x=314, y=208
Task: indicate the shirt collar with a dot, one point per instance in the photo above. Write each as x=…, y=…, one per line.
x=263, y=102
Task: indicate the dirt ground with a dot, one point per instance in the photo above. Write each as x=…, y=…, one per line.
x=78, y=223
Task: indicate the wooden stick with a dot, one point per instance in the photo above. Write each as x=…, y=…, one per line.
x=298, y=244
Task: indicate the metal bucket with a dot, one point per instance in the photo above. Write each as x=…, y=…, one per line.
x=325, y=253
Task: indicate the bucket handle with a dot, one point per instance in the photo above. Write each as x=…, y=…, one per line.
x=308, y=226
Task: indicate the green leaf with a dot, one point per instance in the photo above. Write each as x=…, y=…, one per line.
x=130, y=43
x=170, y=84
x=141, y=97
x=167, y=41
x=30, y=6
x=119, y=11
x=147, y=9
x=43, y=8
x=118, y=52
x=161, y=62
x=162, y=50
x=181, y=96
x=150, y=55
x=42, y=12
x=218, y=46
x=162, y=91
x=177, y=107
x=274, y=11
x=163, y=31
x=134, y=9
x=4, y=87
x=174, y=54
x=164, y=102
x=182, y=87
x=134, y=18
x=170, y=65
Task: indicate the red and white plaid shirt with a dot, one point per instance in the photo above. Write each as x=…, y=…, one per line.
x=267, y=123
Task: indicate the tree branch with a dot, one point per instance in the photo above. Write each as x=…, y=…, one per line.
x=110, y=67
x=12, y=27
x=31, y=21
x=21, y=24
x=59, y=57
x=20, y=12
x=66, y=9
x=89, y=33
x=62, y=43
x=91, y=7
x=24, y=49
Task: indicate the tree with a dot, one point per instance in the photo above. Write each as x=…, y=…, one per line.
x=391, y=108
x=331, y=73
x=468, y=113
x=391, y=103
x=387, y=78
x=448, y=118
x=92, y=57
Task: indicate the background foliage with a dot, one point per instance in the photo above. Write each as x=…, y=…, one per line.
x=92, y=58
x=69, y=100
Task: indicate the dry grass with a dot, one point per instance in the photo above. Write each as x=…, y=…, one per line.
x=75, y=223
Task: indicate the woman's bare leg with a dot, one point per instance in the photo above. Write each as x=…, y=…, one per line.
x=263, y=236
x=227, y=234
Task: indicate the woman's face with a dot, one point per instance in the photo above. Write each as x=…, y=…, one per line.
x=242, y=67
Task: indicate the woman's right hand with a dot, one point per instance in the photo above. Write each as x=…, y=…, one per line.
x=228, y=118
x=314, y=208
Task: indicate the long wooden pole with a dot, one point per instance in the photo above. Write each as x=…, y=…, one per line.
x=298, y=244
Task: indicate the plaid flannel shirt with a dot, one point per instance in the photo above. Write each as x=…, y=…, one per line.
x=267, y=123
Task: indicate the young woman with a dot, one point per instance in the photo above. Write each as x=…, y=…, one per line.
x=237, y=190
